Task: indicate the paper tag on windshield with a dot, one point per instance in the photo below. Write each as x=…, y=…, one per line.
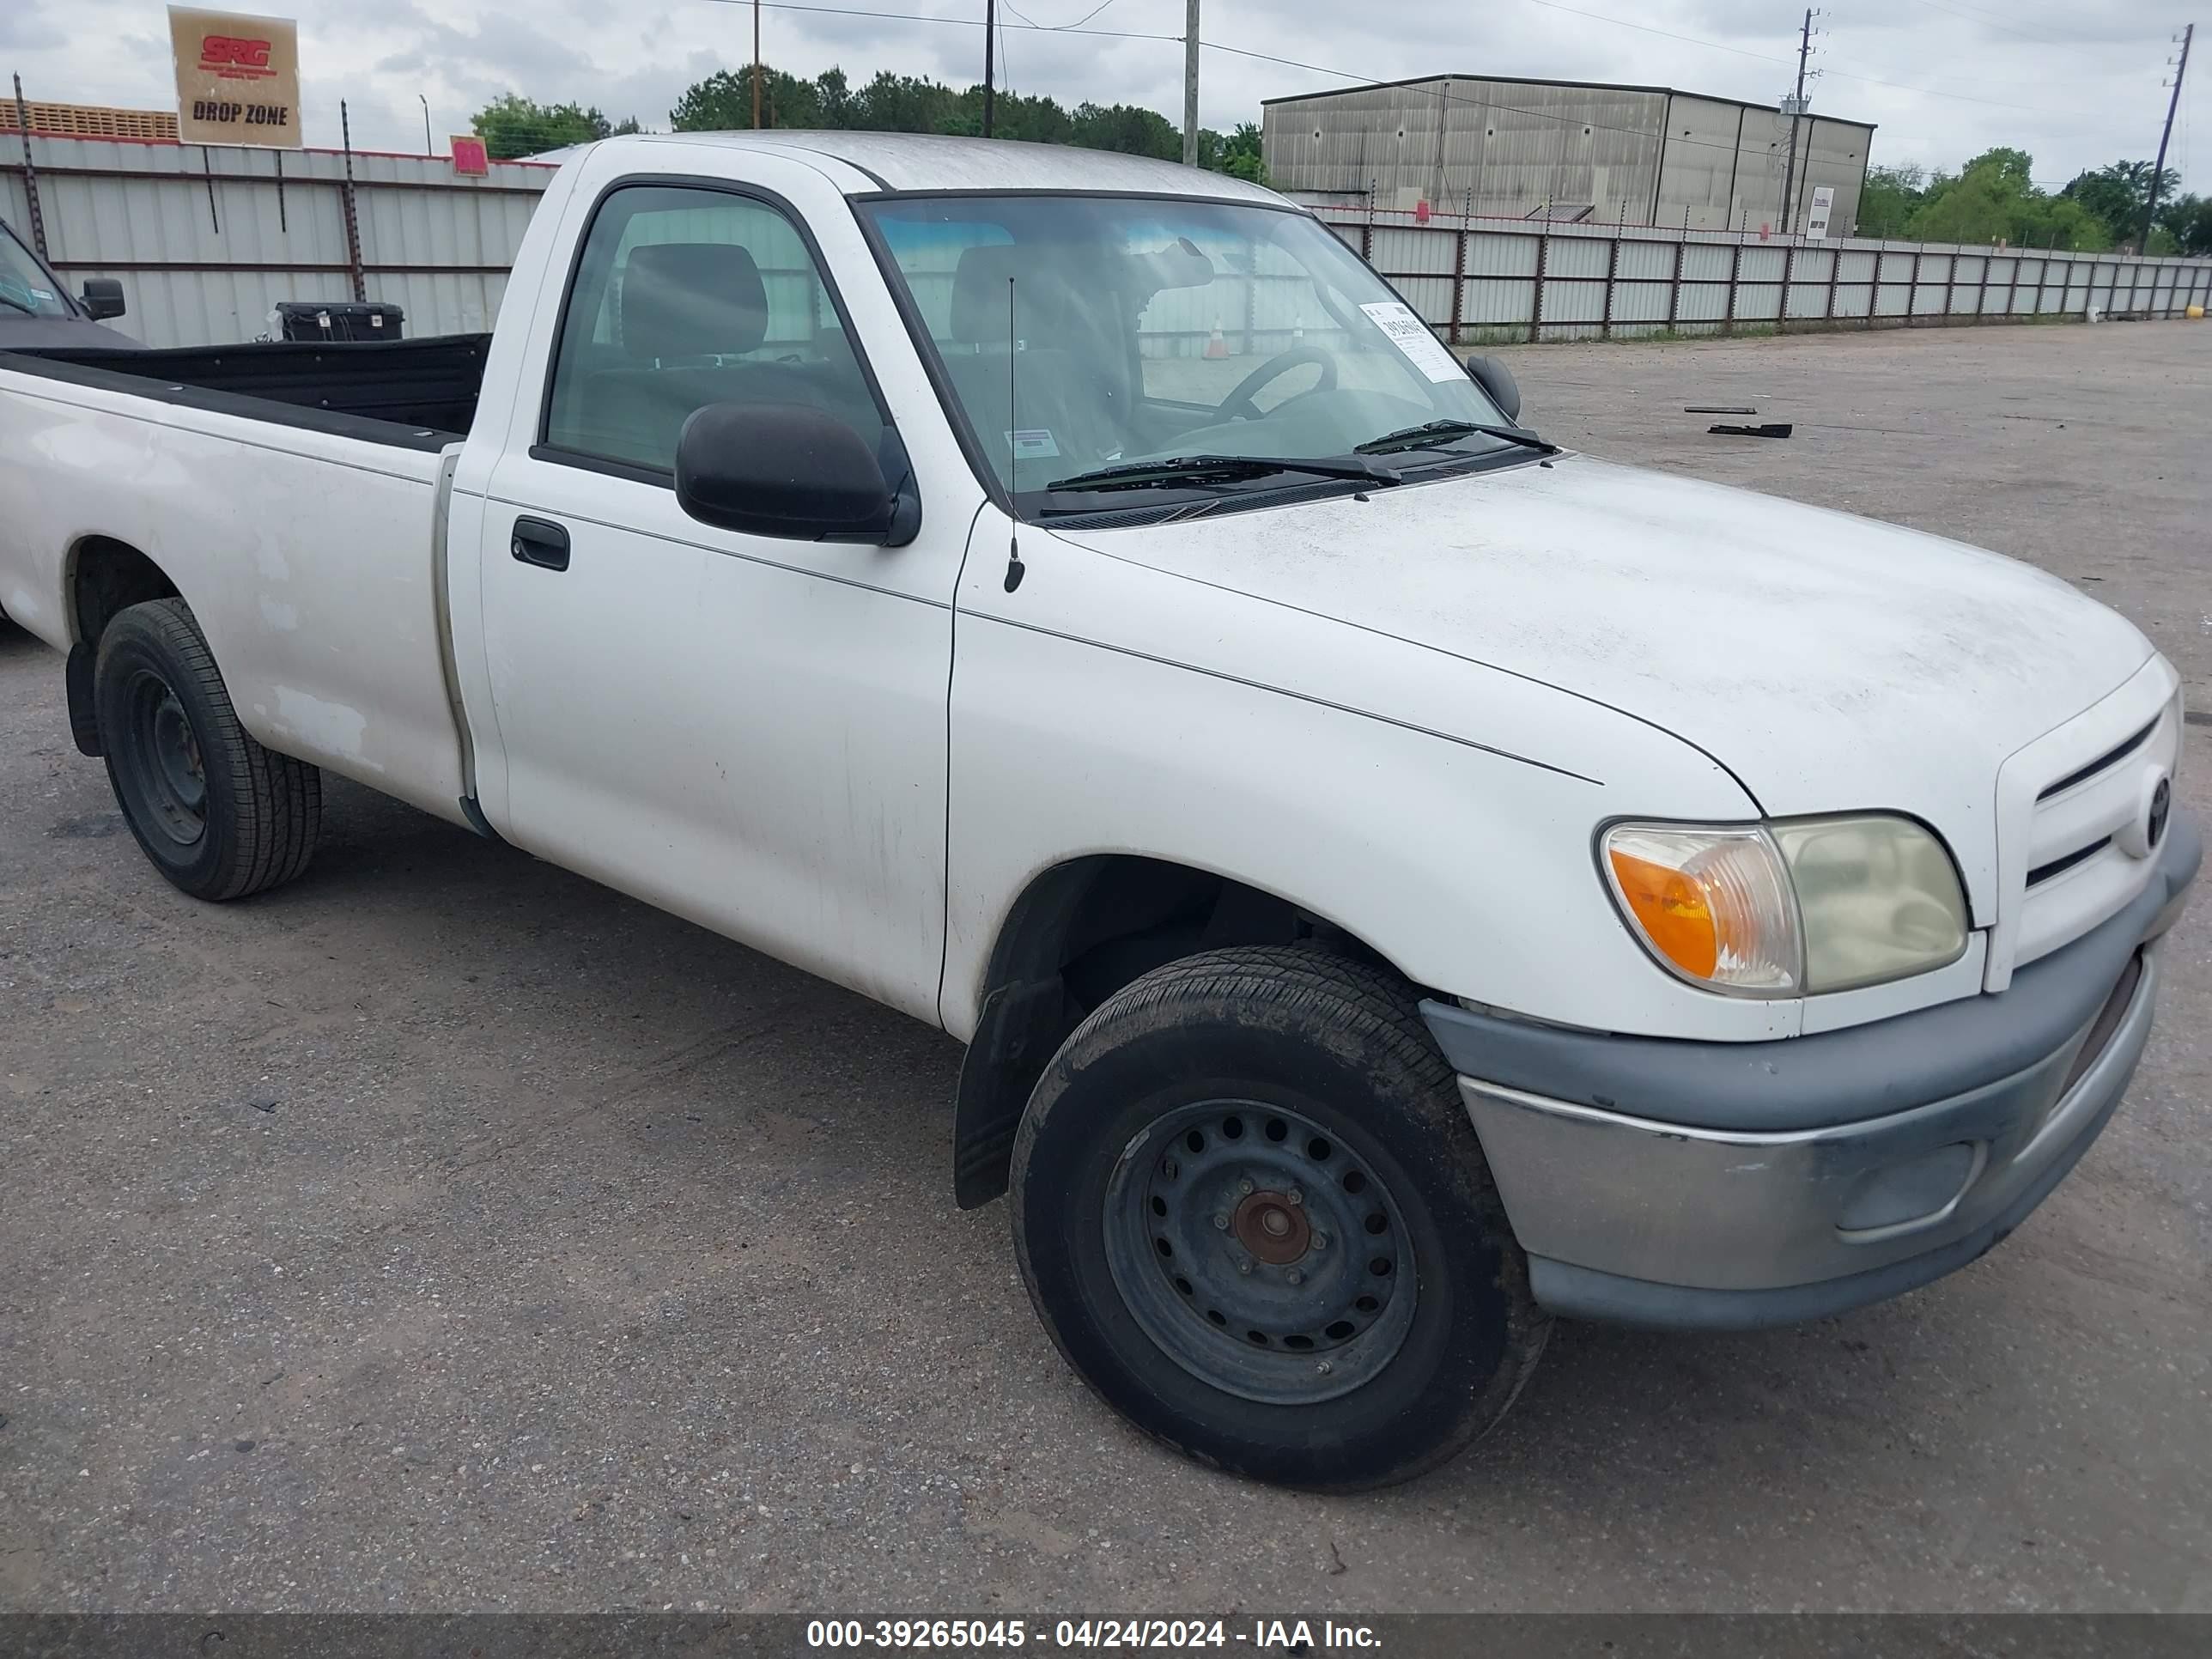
x=1411, y=335
x=1033, y=445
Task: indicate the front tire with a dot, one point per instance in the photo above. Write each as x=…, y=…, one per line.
x=1250, y=1210
x=220, y=816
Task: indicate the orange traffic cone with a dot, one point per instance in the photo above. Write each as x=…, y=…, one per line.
x=1216, y=347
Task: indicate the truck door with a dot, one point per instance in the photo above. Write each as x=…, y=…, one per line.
x=746, y=731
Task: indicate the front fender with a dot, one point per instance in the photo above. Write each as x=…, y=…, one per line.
x=1439, y=809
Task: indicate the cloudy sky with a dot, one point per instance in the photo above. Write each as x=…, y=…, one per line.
x=2075, y=82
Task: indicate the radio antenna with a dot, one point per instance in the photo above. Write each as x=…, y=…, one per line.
x=1015, y=568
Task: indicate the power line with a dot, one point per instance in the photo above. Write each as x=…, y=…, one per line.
x=1988, y=20
x=1646, y=28
x=1057, y=28
x=1235, y=51
x=1373, y=79
x=1767, y=58
x=1961, y=98
x=947, y=23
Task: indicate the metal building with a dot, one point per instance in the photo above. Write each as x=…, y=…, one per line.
x=1565, y=151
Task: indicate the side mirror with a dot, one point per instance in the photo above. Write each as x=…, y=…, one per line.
x=1494, y=378
x=103, y=298
x=789, y=470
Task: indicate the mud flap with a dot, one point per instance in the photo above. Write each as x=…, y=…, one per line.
x=84, y=724
x=1016, y=1036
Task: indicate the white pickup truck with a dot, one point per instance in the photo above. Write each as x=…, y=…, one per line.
x=1398, y=881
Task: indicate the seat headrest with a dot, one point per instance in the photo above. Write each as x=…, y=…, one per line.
x=979, y=293
x=684, y=299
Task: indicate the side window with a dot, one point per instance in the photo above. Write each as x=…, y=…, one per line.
x=684, y=297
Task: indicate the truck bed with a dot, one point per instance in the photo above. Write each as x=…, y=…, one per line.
x=414, y=393
x=271, y=487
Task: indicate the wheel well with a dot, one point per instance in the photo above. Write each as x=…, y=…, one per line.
x=107, y=576
x=1079, y=932
x=104, y=578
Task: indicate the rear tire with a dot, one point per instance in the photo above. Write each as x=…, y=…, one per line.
x=220, y=816
x=1250, y=1210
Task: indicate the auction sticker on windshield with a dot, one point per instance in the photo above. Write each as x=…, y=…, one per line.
x=1411, y=335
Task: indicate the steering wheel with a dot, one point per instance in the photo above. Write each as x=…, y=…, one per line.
x=1238, y=404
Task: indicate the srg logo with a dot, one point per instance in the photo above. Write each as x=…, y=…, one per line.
x=231, y=53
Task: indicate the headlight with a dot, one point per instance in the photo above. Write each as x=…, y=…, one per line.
x=1790, y=909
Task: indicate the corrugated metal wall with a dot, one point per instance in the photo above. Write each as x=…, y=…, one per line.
x=1515, y=280
x=1506, y=149
x=206, y=241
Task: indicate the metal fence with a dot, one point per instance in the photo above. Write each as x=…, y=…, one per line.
x=206, y=240
x=1489, y=279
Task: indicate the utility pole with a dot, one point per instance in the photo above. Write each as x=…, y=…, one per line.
x=757, y=64
x=2158, y=167
x=1190, y=85
x=1796, y=111
x=990, y=45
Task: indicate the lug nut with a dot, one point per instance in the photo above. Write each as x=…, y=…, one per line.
x=1244, y=1267
x=1297, y=1278
x=1221, y=1222
x=1320, y=1241
x=1324, y=1368
x=1295, y=1196
x=1245, y=1187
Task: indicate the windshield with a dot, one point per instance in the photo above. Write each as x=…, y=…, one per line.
x=1142, y=329
x=23, y=286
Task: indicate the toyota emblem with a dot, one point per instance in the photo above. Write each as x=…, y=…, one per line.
x=2155, y=817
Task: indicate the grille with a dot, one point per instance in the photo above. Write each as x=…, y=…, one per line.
x=2104, y=762
x=2074, y=843
x=2060, y=866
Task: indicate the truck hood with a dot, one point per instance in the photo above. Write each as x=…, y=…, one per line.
x=1831, y=662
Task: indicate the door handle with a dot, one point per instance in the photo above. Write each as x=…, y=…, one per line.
x=540, y=542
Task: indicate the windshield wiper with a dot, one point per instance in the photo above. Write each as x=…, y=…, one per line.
x=1187, y=469
x=1433, y=434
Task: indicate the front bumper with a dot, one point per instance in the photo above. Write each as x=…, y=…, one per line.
x=1725, y=1186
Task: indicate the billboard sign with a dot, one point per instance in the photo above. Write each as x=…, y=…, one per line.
x=1824, y=204
x=238, y=78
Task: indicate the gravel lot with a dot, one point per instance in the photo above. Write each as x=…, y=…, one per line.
x=446, y=1232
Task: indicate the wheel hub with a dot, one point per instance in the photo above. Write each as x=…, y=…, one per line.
x=1259, y=1253
x=1273, y=1226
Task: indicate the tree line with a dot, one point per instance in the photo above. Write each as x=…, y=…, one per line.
x=514, y=126
x=1995, y=199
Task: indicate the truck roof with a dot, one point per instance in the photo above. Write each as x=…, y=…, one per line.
x=928, y=161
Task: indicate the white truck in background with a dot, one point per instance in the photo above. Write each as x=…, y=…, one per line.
x=1398, y=881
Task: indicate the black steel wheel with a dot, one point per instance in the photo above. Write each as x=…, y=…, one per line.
x=160, y=765
x=1259, y=1254
x=220, y=816
x=1251, y=1209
